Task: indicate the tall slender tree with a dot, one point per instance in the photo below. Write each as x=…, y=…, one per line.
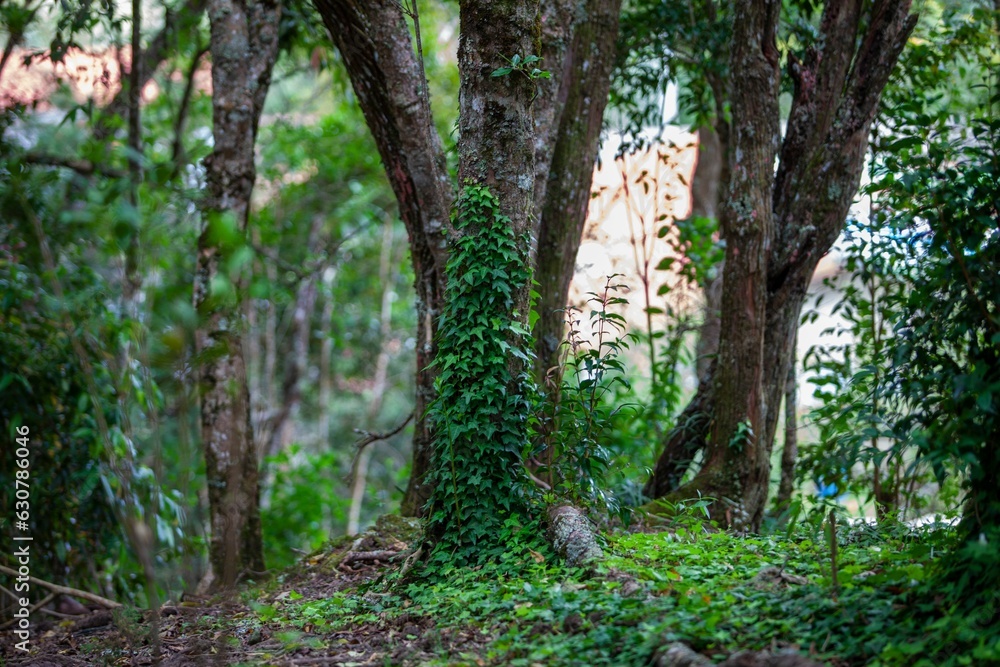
x=244, y=48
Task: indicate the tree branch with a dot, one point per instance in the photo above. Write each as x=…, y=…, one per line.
x=177, y=148
x=82, y=167
x=175, y=22
x=374, y=41
x=65, y=590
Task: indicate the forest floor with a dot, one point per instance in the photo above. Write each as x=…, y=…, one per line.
x=658, y=587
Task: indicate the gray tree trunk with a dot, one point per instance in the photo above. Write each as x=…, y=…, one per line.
x=244, y=48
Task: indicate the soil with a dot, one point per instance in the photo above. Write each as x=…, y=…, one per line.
x=225, y=630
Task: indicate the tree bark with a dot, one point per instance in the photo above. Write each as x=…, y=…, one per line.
x=585, y=77
x=244, y=48
x=374, y=41
x=790, y=449
x=836, y=90
x=496, y=128
x=735, y=456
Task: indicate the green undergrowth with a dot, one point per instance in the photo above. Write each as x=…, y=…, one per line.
x=712, y=590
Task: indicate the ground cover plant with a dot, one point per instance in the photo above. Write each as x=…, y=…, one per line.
x=322, y=340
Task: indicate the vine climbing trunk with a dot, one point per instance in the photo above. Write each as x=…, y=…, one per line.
x=481, y=414
x=244, y=46
x=551, y=128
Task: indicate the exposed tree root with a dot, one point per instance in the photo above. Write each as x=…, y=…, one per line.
x=64, y=590
x=572, y=536
x=680, y=655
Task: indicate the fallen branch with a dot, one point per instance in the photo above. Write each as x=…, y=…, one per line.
x=358, y=556
x=35, y=607
x=65, y=590
x=82, y=167
x=410, y=561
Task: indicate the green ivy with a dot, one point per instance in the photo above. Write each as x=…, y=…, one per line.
x=480, y=502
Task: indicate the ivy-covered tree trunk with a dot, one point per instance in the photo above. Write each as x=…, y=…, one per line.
x=244, y=47
x=837, y=84
x=481, y=414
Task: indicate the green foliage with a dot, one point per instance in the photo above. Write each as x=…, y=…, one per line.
x=923, y=376
x=664, y=43
x=525, y=66
x=480, y=500
x=304, y=505
x=712, y=590
x=43, y=388
x=572, y=423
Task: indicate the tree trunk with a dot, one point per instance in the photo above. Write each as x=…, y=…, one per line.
x=790, y=450
x=735, y=458
x=374, y=41
x=836, y=92
x=586, y=78
x=707, y=185
x=244, y=48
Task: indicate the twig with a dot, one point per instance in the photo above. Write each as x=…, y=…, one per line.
x=82, y=167
x=35, y=607
x=178, y=146
x=65, y=590
x=373, y=437
x=58, y=614
x=542, y=484
x=410, y=560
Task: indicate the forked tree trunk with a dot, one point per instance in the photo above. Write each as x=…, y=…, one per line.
x=374, y=41
x=244, y=48
x=837, y=88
